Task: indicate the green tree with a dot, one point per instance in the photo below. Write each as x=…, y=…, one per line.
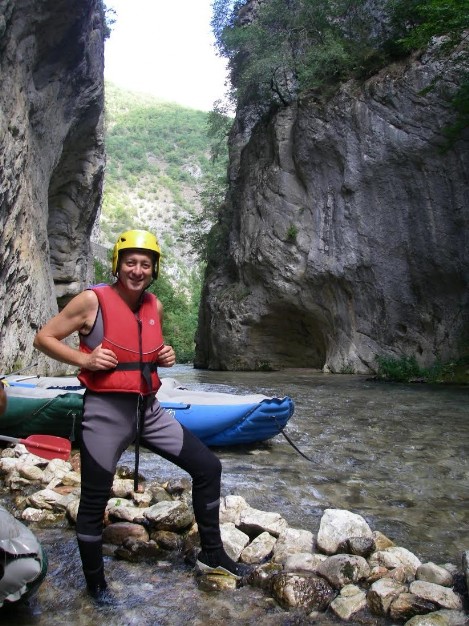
x=180, y=313
x=417, y=21
x=286, y=47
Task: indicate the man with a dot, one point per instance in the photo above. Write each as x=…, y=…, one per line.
x=121, y=344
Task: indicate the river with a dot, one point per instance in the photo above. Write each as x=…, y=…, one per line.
x=396, y=454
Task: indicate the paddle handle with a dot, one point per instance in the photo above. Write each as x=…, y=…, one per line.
x=10, y=439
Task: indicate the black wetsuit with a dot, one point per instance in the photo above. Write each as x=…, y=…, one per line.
x=109, y=426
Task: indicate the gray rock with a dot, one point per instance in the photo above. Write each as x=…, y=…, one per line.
x=292, y=541
x=52, y=156
x=169, y=515
x=325, y=197
x=120, y=531
x=259, y=549
x=432, y=573
x=406, y=605
x=343, y=569
x=304, y=562
x=351, y=600
x=382, y=593
x=234, y=540
x=442, y=596
x=307, y=592
x=253, y=521
x=337, y=526
x=396, y=557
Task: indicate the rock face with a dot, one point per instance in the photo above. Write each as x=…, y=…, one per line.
x=52, y=161
x=347, y=229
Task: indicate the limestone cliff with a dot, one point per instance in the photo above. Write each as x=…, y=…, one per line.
x=52, y=162
x=348, y=229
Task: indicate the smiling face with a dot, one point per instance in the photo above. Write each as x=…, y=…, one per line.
x=135, y=269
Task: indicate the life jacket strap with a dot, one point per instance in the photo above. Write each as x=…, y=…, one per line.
x=146, y=368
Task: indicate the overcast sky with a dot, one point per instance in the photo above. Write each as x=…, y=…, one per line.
x=165, y=48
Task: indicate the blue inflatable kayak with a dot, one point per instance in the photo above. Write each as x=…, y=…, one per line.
x=53, y=406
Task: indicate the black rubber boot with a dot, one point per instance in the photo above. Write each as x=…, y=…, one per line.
x=91, y=553
x=218, y=562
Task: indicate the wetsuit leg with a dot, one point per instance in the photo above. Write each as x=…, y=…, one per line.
x=108, y=427
x=163, y=434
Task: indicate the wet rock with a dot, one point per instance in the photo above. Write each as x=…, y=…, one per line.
x=263, y=575
x=382, y=593
x=30, y=514
x=169, y=515
x=126, y=514
x=234, y=540
x=191, y=539
x=72, y=511
x=142, y=500
x=400, y=575
x=75, y=462
x=381, y=541
x=259, y=549
x=343, y=569
x=135, y=550
x=442, y=596
x=453, y=618
x=7, y=464
x=31, y=472
x=431, y=619
x=56, y=470
x=178, y=486
x=14, y=482
x=304, y=591
x=231, y=508
x=350, y=600
x=396, y=557
x=71, y=478
x=360, y=546
x=304, y=562
x=158, y=492
x=406, y=605
x=376, y=573
x=337, y=526
x=167, y=540
x=122, y=487
x=216, y=582
x=292, y=541
x=253, y=522
x=432, y=573
x=118, y=532
x=126, y=472
x=50, y=499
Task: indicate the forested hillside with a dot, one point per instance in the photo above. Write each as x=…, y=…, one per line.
x=158, y=166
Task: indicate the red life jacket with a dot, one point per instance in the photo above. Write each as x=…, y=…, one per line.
x=135, y=338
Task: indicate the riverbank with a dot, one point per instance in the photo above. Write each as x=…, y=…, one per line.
x=345, y=568
x=395, y=454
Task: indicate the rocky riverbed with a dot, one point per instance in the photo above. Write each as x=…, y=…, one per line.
x=346, y=568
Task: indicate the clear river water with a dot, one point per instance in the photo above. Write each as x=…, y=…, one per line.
x=396, y=454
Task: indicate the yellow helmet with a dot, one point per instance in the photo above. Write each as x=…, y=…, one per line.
x=140, y=239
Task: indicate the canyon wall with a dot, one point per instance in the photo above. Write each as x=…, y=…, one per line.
x=52, y=162
x=348, y=229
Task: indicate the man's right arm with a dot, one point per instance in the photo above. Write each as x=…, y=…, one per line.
x=78, y=315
